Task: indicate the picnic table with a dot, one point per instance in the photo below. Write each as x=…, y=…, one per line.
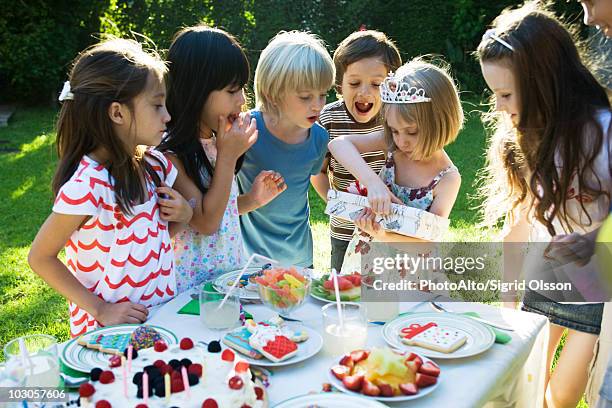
x=509, y=374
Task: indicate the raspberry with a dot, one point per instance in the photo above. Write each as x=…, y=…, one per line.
x=177, y=386
x=186, y=343
x=242, y=367
x=227, y=355
x=160, y=346
x=235, y=383
x=195, y=369
x=142, y=406
x=103, y=404
x=86, y=390
x=114, y=361
x=166, y=369
x=259, y=392
x=159, y=363
x=210, y=403
x=107, y=377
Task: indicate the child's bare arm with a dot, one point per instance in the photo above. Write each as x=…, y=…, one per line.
x=174, y=209
x=320, y=181
x=445, y=194
x=43, y=260
x=346, y=149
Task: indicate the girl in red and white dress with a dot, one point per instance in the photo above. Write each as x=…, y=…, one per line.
x=114, y=209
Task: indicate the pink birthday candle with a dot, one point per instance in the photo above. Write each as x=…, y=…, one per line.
x=186, y=381
x=123, y=367
x=130, y=350
x=145, y=387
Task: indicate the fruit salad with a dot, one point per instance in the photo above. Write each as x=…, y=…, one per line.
x=349, y=286
x=283, y=289
x=383, y=372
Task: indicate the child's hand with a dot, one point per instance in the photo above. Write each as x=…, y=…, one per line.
x=380, y=198
x=366, y=221
x=172, y=206
x=120, y=313
x=236, y=140
x=573, y=247
x=266, y=186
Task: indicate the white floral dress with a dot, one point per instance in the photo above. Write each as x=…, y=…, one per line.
x=199, y=257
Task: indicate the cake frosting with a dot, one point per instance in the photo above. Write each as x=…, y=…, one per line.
x=225, y=379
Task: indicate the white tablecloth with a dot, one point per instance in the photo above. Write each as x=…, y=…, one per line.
x=505, y=375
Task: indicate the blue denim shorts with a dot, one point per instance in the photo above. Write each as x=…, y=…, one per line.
x=581, y=317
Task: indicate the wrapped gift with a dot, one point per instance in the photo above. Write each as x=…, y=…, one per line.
x=403, y=220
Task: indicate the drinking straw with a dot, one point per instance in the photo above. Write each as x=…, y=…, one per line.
x=167, y=387
x=145, y=387
x=186, y=382
x=124, y=372
x=231, y=289
x=337, y=290
x=130, y=350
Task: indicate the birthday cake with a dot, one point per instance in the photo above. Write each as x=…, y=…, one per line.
x=175, y=375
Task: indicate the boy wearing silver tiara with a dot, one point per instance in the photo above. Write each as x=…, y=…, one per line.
x=363, y=60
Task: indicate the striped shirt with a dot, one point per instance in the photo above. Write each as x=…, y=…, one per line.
x=338, y=122
x=118, y=257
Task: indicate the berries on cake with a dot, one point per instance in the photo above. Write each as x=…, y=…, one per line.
x=180, y=375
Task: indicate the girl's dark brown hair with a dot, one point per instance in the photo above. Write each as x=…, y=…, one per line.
x=559, y=99
x=115, y=70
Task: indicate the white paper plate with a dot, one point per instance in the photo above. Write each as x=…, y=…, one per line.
x=329, y=400
x=479, y=336
x=83, y=359
x=306, y=350
x=224, y=282
x=422, y=391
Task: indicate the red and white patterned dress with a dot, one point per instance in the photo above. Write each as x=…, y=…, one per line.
x=118, y=257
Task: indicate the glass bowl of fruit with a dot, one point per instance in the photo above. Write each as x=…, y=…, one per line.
x=283, y=289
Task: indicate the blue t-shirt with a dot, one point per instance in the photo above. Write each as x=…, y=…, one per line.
x=280, y=229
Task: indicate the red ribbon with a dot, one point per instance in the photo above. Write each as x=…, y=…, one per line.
x=415, y=328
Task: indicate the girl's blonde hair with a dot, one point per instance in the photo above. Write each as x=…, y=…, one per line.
x=292, y=61
x=439, y=120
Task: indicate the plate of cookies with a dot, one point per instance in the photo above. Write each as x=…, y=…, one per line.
x=439, y=336
x=99, y=347
x=273, y=343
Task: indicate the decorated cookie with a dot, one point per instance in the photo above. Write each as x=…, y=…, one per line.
x=433, y=337
x=274, y=346
x=239, y=340
x=144, y=337
x=297, y=336
x=111, y=344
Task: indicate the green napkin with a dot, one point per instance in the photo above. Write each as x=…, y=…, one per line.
x=501, y=336
x=193, y=307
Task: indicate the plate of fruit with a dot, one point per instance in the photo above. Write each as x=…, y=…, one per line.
x=349, y=286
x=283, y=289
x=385, y=374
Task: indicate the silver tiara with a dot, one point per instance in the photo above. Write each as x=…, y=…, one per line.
x=393, y=90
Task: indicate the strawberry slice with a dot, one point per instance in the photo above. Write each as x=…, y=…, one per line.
x=353, y=382
x=359, y=355
x=416, y=360
x=386, y=390
x=367, y=388
x=430, y=368
x=424, y=380
x=408, y=389
x=347, y=360
x=340, y=371
x=344, y=284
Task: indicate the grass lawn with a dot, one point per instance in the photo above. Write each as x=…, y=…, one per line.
x=27, y=163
